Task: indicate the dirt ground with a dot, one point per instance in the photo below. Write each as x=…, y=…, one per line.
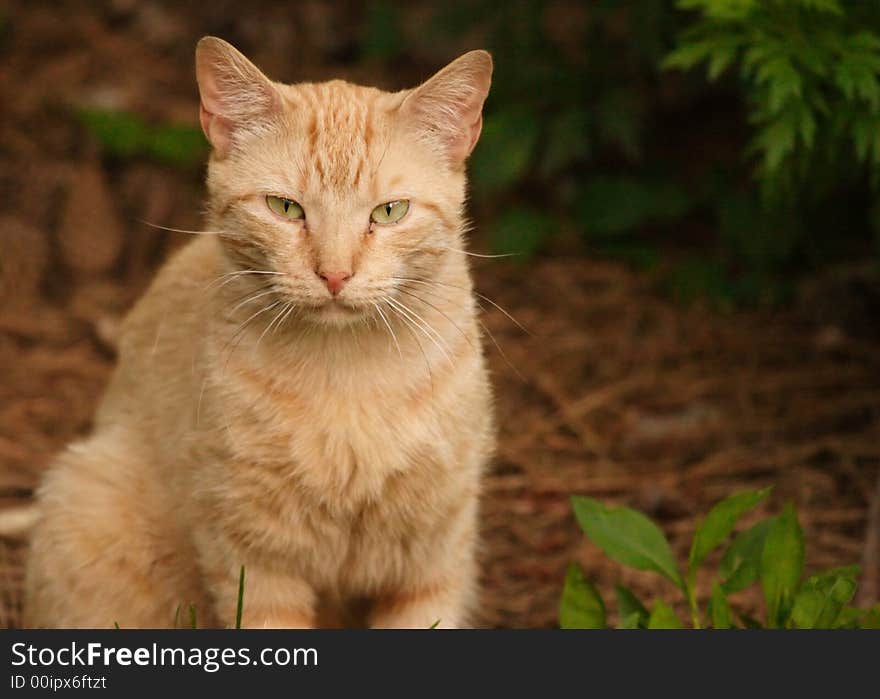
x=618, y=392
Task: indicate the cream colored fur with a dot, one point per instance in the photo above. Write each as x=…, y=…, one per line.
x=332, y=446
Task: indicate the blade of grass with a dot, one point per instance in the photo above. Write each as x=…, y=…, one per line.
x=240, y=599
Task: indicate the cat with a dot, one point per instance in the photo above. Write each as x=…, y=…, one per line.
x=302, y=390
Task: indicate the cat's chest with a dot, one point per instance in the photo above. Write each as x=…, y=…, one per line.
x=344, y=439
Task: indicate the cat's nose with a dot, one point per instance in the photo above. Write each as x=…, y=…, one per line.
x=335, y=280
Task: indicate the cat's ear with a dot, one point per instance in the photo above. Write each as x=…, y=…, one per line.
x=448, y=108
x=235, y=95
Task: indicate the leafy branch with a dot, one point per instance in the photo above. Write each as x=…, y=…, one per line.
x=811, y=74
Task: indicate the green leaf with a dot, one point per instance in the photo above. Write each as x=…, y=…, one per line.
x=722, y=56
x=822, y=598
x=871, y=620
x=719, y=609
x=628, y=605
x=632, y=621
x=777, y=139
x=177, y=145
x=749, y=622
x=849, y=618
x=627, y=536
x=721, y=9
x=827, y=6
x=120, y=134
x=718, y=525
x=782, y=564
x=126, y=135
x=663, y=617
x=741, y=564
x=581, y=607
x=687, y=55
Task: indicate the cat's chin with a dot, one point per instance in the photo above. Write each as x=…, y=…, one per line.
x=336, y=314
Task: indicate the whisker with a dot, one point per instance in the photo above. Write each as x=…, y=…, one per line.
x=476, y=254
x=485, y=328
x=271, y=323
x=441, y=312
x=415, y=337
x=232, y=276
x=250, y=292
x=425, y=327
x=178, y=230
x=390, y=329
x=199, y=404
x=239, y=333
x=475, y=293
x=501, y=351
x=435, y=293
x=504, y=311
x=285, y=317
x=251, y=299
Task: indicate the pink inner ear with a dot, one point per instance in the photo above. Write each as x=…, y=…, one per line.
x=217, y=129
x=448, y=108
x=235, y=95
x=464, y=133
x=475, y=130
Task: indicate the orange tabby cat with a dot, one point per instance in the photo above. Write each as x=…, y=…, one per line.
x=302, y=390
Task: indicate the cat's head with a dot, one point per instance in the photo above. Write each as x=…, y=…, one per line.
x=339, y=191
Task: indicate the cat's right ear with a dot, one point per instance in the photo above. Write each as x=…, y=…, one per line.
x=235, y=95
x=447, y=110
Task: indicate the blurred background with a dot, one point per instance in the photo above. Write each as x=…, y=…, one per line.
x=687, y=190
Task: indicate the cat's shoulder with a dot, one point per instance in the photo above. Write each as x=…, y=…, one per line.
x=185, y=277
x=197, y=260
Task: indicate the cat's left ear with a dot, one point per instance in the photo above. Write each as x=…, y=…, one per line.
x=235, y=95
x=448, y=108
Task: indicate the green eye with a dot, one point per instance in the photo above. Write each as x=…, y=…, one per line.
x=390, y=211
x=285, y=207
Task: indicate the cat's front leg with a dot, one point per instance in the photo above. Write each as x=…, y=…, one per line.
x=443, y=604
x=272, y=599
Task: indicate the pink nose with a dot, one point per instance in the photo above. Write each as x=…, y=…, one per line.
x=335, y=280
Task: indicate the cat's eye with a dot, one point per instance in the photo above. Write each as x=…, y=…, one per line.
x=390, y=211
x=286, y=208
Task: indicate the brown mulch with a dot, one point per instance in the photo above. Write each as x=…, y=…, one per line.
x=618, y=392
x=631, y=399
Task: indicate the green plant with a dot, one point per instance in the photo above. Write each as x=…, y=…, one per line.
x=126, y=135
x=193, y=621
x=585, y=134
x=808, y=75
x=565, y=137
x=240, y=604
x=770, y=552
x=810, y=70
